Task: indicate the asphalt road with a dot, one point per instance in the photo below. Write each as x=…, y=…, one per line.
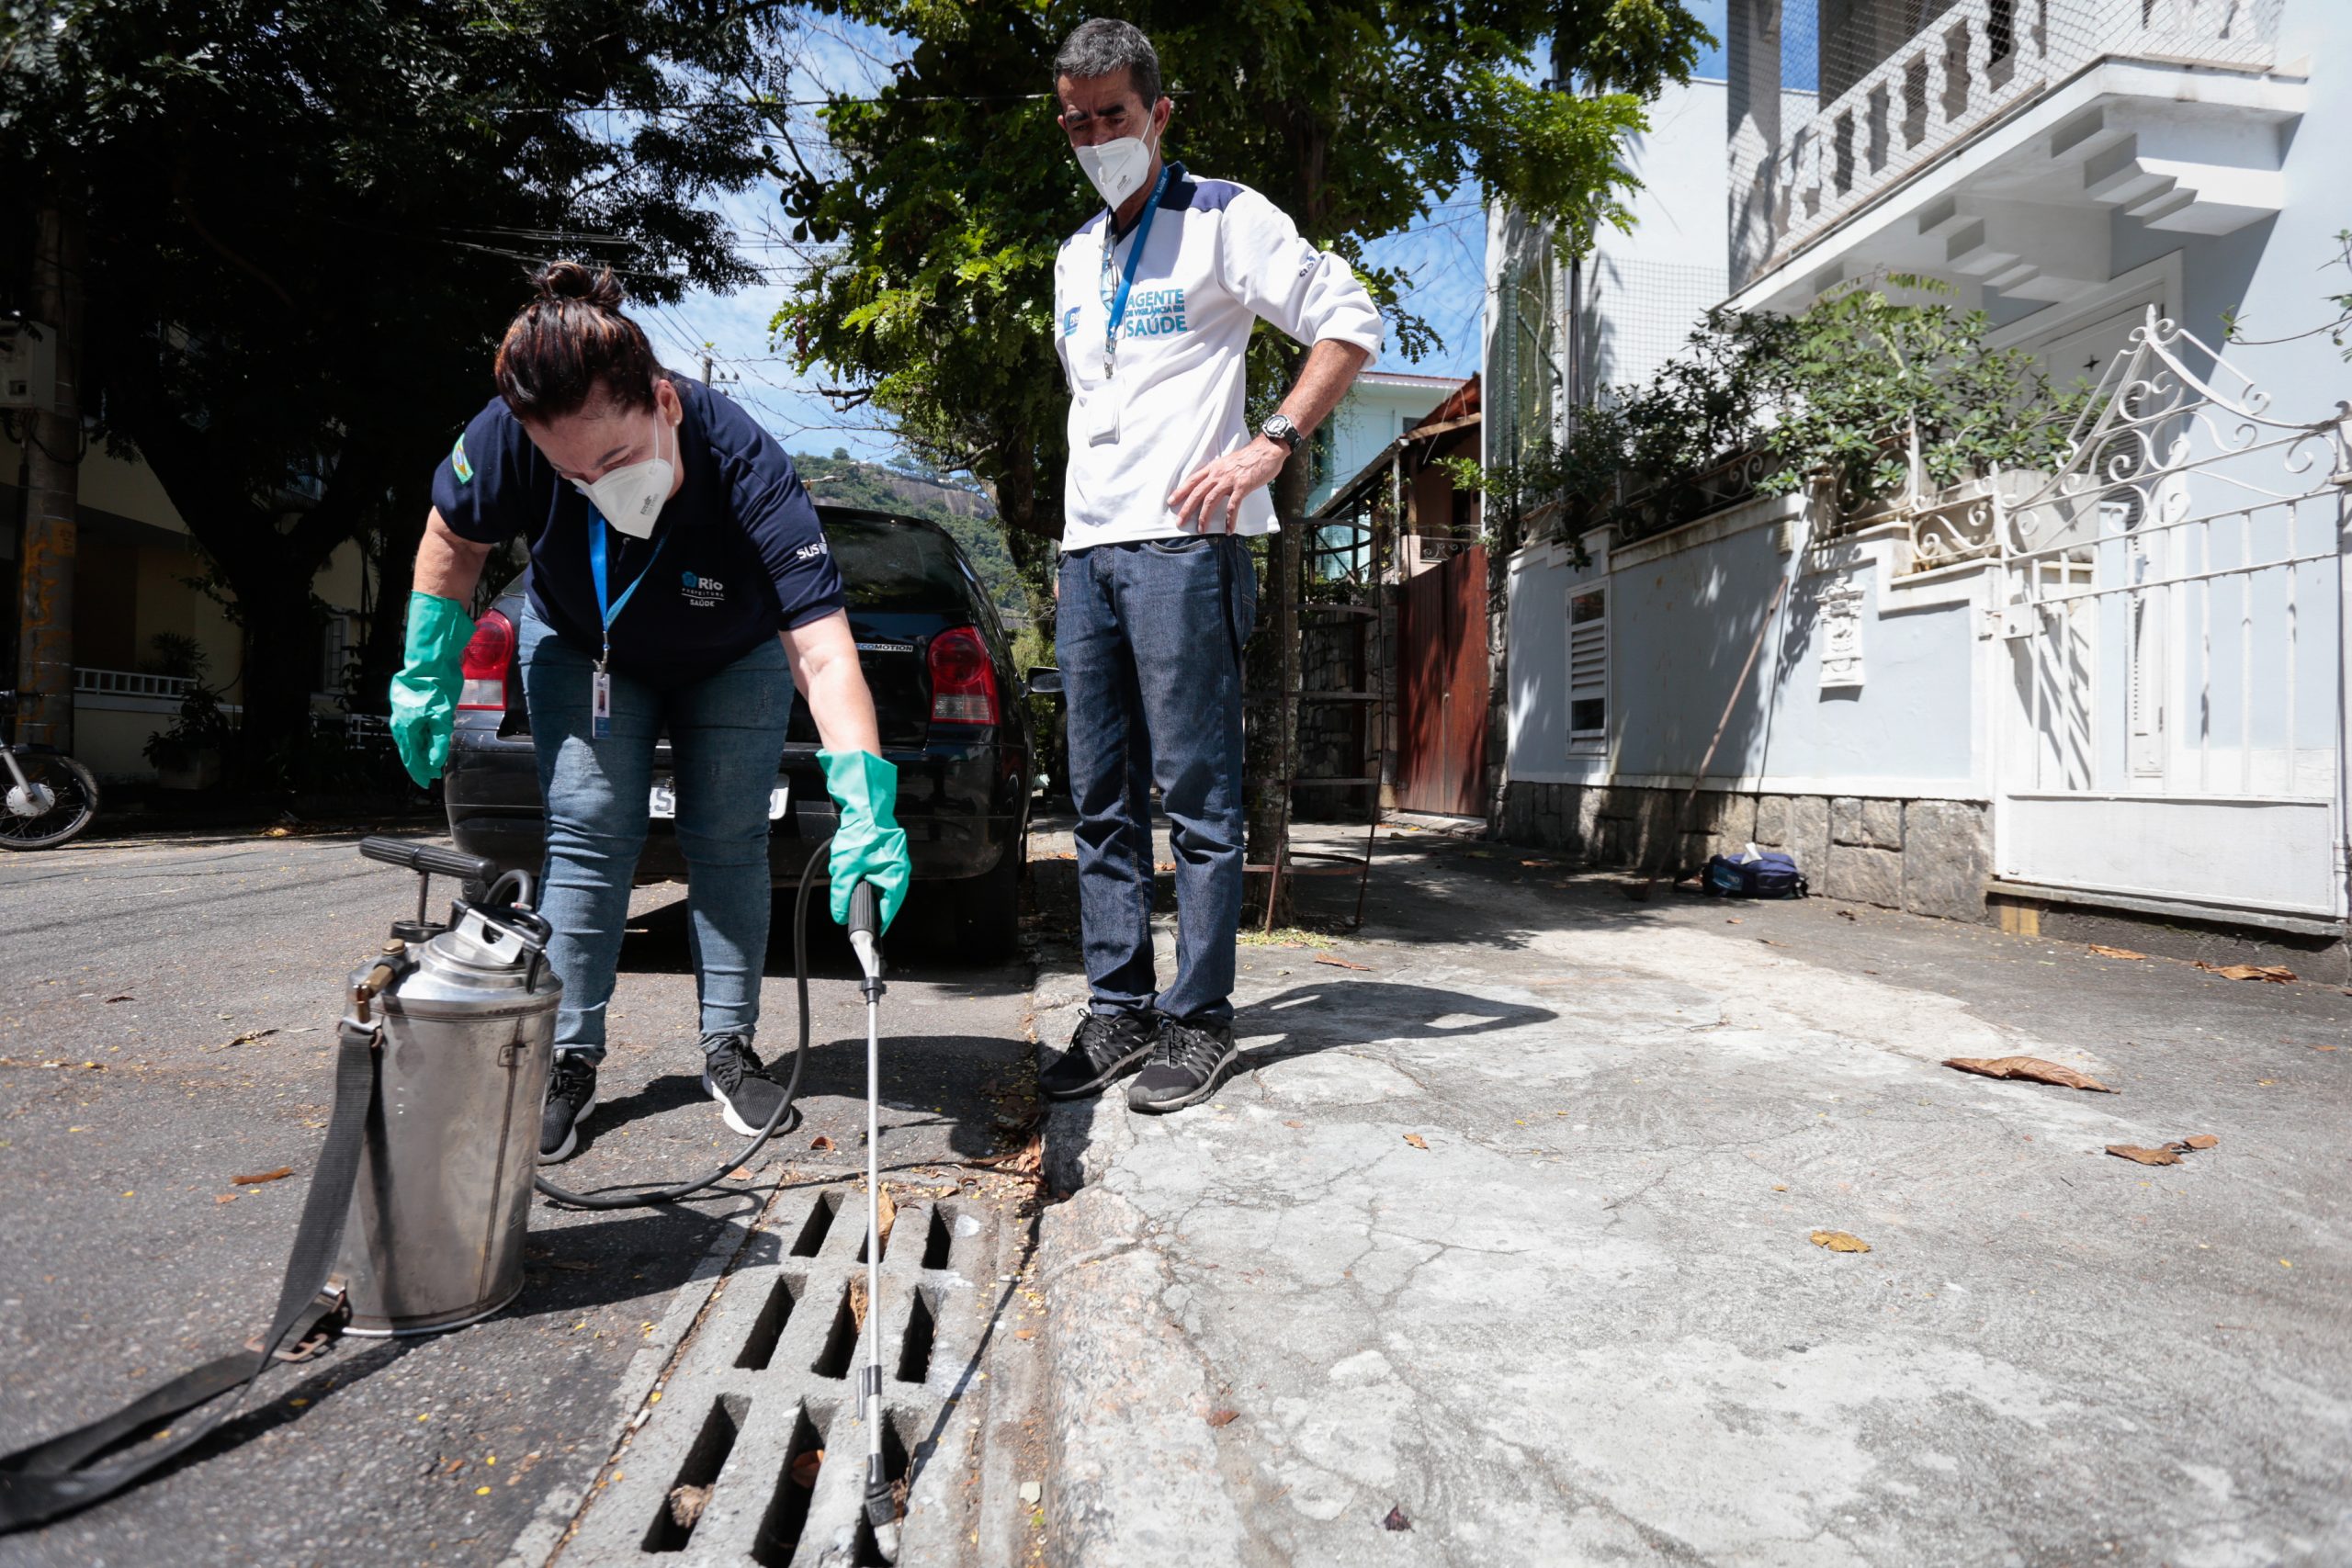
x=166, y=1009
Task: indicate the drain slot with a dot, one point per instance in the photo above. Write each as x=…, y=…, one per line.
x=759, y=1346
x=821, y=1220
x=867, y=1554
x=840, y=1340
x=922, y=1327
x=703, y=1462
x=939, y=1238
x=787, y=1515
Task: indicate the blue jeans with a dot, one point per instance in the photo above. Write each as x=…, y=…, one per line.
x=1150, y=638
x=726, y=738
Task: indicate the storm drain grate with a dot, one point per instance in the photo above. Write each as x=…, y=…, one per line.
x=769, y=1381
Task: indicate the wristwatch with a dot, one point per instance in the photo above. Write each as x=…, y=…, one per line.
x=1279, y=427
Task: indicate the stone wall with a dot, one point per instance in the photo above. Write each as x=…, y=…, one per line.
x=1928, y=857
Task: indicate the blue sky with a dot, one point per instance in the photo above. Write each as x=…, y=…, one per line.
x=1444, y=254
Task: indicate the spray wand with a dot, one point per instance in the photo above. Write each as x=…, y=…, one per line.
x=865, y=937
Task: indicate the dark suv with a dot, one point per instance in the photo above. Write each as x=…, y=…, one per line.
x=946, y=695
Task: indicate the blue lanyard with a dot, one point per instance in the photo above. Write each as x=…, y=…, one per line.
x=1127, y=278
x=606, y=604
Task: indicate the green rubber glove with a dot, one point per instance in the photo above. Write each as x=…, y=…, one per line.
x=868, y=842
x=425, y=694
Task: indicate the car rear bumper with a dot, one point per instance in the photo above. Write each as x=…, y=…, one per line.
x=963, y=807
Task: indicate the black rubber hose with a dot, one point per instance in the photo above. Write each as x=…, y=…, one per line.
x=787, y=1115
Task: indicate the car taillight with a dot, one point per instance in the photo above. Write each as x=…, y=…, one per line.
x=485, y=662
x=963, y=679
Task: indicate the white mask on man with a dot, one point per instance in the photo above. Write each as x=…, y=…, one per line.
x=631, y=498
x=1118, y=168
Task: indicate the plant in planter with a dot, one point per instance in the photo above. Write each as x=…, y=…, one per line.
x=188, y=755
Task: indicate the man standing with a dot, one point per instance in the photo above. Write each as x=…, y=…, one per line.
x=1153, y=301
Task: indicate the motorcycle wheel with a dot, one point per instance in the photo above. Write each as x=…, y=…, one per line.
x=73, y=806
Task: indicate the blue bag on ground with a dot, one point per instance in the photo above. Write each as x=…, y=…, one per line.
x=1765, y=873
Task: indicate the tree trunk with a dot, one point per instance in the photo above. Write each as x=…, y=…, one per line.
x=1270, y=758
x=52, y=473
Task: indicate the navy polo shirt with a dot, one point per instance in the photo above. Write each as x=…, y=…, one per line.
x=740, y=555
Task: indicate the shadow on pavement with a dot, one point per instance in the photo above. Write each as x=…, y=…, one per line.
x=1307, y=1018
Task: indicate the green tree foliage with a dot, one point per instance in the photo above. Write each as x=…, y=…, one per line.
x=1877, y=390
x=309, y=220
x=935, y=218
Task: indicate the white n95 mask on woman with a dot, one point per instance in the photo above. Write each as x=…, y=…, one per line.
x=1117, y=168
x=631, y=497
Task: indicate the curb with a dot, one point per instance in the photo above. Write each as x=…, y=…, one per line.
x=1133, y=1466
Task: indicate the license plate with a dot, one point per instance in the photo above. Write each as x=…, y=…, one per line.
x=662, y=806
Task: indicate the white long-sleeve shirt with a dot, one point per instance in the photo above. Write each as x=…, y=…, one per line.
x=1219, y=257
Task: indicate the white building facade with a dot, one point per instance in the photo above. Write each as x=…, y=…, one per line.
x=2119, y=685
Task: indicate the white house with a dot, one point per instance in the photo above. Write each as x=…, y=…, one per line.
x=2120, y=687
x=1380, y=406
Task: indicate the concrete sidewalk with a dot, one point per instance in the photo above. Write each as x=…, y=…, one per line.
x=1508, y=1232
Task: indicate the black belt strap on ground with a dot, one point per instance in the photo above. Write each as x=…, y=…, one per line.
x=49, y=1479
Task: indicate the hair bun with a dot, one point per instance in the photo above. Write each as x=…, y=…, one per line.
x=573, y=280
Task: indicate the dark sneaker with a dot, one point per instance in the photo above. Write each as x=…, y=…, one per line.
x=1106, y=1046
x=748, y=1098
x=1188, y=1062
x=571, y=1094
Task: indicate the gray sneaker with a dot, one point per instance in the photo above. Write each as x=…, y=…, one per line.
x=1188, y=1062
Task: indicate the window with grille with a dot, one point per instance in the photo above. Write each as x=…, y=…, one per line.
x=1587, y=669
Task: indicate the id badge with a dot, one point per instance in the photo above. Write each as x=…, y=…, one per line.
x=1102, y=419
x=600, y=707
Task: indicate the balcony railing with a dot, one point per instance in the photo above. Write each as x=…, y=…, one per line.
x=1971, y=66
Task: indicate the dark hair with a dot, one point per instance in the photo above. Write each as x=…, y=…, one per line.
x=571, y=346
x=1105, y=44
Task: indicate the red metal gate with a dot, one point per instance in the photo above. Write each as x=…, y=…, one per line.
x=1442, y=681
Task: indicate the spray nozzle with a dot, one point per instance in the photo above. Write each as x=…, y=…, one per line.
x=865, y=935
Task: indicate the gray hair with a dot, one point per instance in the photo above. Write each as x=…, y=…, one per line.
x=1105, y=44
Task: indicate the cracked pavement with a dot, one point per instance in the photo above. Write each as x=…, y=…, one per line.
x=1585, y=1322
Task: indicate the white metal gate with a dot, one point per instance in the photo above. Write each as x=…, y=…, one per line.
x=2174, y=610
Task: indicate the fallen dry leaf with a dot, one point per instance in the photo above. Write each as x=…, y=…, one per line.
x=255, y=1179
x=805, y=1468
x=1839, y=1241
x=740, y=1173
x=275, y=833
x=687, y=1504
x=1336, y=962
x=1396, y=1520
x=820, y=1142
x=1734, y=920
x=1302, y=1124
x=886, y=1214
x=2200, y=1141
x=2031, y=1068
x=228, y=1197
x=1024, y=1334
x=857, y=1301
x=2277, y=974
x=1416, y=1140
x=1221, y=1417
x=2116, y=952
x=2145, y=1156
